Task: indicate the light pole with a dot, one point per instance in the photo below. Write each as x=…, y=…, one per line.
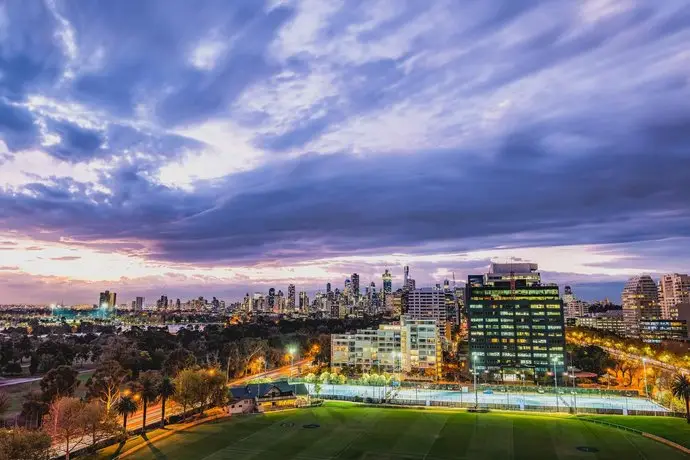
x=555, y=381
x=644, y=367
x=291, y=351
x=474, y=371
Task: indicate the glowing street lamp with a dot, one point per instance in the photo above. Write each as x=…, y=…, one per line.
x=644, y=367
x=474, y=371
x=555, y=380
x=291, y=351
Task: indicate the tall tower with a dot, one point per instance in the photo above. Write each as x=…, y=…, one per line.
x=291, y=297
x=640, y=301
x=355, y=285
x=271, y=298
x=674, y=289
x=406, y=275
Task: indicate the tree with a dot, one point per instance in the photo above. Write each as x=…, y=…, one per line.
x=213, y=390
x=187, y=383
x=149, y=384
x=97, y=421
x=177, y=360
x=34, y=408
x=4, y=403
x=167, y=389
x=125, y=406
x=23, y=444
x=681, y=389
x=64, y=423
x=59, y=382
x=317, y=388
x=105, y=383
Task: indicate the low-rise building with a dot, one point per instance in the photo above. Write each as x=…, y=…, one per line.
x=658, y=330
x=265, y=397
x=413, y=346
x=611, y=321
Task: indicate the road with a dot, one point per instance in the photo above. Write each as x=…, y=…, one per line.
x=21, y=380
x=649, y=361
x=153, y=413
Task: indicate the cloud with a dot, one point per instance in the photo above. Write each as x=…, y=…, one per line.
x=269, y=134
x=65, y=258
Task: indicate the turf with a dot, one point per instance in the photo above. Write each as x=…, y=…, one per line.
x=355, y=432
x=673, y=429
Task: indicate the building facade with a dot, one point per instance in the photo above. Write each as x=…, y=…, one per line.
x=674, y=289
x=413, y=347
x=610, y=321
x=516, y=323
x=658, y=330
x=640, y=300
x=428, y=303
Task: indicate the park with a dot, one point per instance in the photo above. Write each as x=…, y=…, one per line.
x=341, y=430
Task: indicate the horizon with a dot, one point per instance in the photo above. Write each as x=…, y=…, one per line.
x=221, y=146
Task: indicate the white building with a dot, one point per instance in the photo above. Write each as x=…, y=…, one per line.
x=428, y=303
x=640, y=301
x=611, y=321
x=413, y=346
x=674, y=289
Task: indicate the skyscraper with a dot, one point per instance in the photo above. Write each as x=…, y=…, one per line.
x=139, y=304
x=355, y=285
x=303, y=302
x=515, y=321
x=291, y=298
x=428, y=303
x=107, y=299
x=640, y=301
x=674, y=289
x=406, y=275
x=271, y=299
x=328, y=287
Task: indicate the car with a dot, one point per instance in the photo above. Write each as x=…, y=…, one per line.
x=488, y=392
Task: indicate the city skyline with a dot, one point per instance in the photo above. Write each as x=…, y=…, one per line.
x=437, y=135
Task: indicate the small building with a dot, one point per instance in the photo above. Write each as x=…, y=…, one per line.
x=265, y=397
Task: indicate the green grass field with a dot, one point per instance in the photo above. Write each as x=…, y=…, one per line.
x=349, y=431
x=673, y=429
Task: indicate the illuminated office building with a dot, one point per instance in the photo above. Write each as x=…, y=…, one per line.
x=516, y=323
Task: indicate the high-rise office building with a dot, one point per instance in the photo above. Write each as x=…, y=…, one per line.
x=387, y=282
x=139, y=304
x=328, y=288
x=640, y=301
x=674, y=289
x=516, y=323
x=355, y=285
x=272, y=299
x=406, y=275
x=303, y=302
x=291, y=298
x=107, y=299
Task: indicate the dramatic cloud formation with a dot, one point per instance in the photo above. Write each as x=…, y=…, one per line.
x=214, y=147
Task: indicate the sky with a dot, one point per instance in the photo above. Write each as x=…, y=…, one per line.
x=216, y=148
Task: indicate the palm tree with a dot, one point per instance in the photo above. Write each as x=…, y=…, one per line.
x=149, y=384
x=126, y=406
x=681, y=389
x=167, y=389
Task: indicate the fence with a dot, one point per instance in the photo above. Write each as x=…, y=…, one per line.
x=564, y=408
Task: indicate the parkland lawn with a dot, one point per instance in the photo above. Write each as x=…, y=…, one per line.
x=348, y=431
x=673, y=429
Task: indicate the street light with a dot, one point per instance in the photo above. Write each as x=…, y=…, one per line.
x=291, y=352
x=474, y=371
x=555, y=380
x=644, y=366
